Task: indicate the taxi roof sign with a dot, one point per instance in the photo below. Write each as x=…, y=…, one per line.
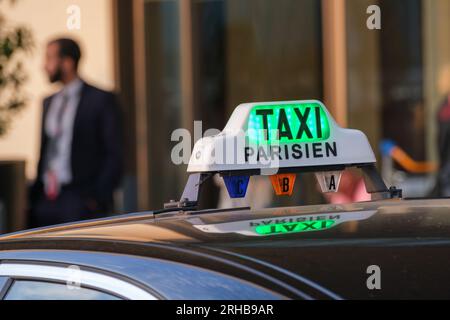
x=270, y=138
x=283, y=134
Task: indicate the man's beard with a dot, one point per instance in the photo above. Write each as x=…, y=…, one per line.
x=57, y=76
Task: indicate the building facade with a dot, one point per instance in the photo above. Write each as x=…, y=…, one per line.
x=176, y=61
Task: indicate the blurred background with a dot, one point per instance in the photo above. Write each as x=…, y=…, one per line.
x=176, y=61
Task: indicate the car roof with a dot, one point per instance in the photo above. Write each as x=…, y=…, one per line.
x=385, y=218
x=410, y=238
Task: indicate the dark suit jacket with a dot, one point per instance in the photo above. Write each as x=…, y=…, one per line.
x=97, y=148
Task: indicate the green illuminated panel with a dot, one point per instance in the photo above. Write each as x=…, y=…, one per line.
x=295, y=227
x=306, y=122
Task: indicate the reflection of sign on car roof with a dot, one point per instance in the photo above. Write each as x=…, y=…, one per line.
x=283, y=225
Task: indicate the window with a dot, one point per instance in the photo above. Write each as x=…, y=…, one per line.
x=38, y=281
x=386, y=74
x=37, y=290
x=164, y=107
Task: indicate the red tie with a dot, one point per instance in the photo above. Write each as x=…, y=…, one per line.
x=51, y=185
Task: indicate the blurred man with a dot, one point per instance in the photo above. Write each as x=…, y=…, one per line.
x=80, y=162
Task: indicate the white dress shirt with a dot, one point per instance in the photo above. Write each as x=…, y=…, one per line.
x=60, y=163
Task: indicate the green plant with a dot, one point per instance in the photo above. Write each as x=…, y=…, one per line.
x=15, y=42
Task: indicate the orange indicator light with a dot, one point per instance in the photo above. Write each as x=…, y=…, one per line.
x=283, y=184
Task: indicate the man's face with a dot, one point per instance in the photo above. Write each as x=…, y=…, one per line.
x=53, y=63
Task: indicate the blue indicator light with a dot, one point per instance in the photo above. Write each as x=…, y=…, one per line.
x=236, y=185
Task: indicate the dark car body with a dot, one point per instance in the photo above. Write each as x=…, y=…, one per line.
x=276, y=253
